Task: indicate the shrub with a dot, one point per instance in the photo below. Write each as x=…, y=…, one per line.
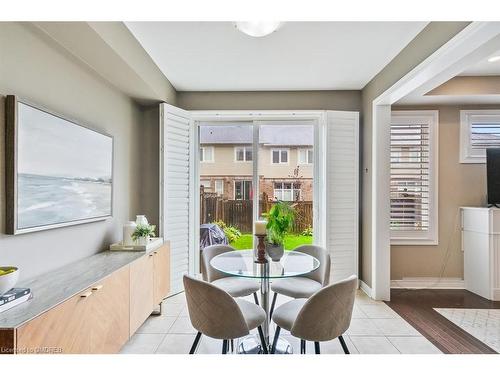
x=232, y=233
x=308, y=231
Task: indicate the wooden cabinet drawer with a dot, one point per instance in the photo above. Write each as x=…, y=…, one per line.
x=110, y=313
x=161, y=273
x=141, y=290
x=63, y=329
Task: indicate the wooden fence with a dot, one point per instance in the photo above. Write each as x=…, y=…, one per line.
x=238, y=213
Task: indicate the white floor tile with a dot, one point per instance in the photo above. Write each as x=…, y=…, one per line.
x=363, y=327
x=182, y=325
x=172, y=309
x=157, y=324
x=143, y=343
x=178, y=298
x=395, y=327
x=373, y=345
x=176, y=344
x=378, y=311
x=414, y=345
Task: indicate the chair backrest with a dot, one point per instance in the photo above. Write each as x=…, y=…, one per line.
x=212, y=311
x=322, y=273
x=327, y=313
x=207, y=271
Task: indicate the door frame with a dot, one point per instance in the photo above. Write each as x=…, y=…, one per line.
x=475, y=42
x=225, y=116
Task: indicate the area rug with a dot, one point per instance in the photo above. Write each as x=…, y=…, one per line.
x=483, y=324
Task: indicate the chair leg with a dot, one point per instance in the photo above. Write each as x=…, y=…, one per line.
x=256, y=299
x=232, y=346
x=302, y=346
x=195, y=343
x=262, y=340
x=344, y=346
x=272, y=305
x=224, y=346
x=275, y=340
x=316, y=347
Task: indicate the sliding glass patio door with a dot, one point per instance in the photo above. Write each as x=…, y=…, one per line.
x=244, y=168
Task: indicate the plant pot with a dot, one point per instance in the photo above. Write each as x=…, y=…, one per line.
x=275, y=252
x=143, y=241
x=9, y=280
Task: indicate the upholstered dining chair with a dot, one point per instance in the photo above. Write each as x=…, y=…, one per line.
x=235, y=286
x=324, y=316
x=214, y=313
x=304, y=286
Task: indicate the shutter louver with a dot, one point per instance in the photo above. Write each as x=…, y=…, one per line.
x=410, y=171
x=176, y=193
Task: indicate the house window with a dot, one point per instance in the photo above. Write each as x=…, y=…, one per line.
x=219, y=187
x=279, y=156
x=305, y=156
x=242, y=190
x=207, y=154
x=413, y=184
x=479, y=130
x=287, y=191
x=207, y=185
x=243, y=153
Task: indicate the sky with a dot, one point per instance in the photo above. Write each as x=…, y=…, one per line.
x=51, y=146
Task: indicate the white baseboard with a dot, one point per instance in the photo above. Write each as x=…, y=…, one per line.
x=428, y=283
x=365, y=288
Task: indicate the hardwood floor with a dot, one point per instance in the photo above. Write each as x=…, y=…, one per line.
x=417, y=308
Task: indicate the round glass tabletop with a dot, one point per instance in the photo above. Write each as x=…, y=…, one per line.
x=241, y=263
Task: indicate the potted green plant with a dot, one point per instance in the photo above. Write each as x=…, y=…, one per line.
x=280, y=220
x=142, y=233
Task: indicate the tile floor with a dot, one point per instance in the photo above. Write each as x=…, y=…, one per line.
x=483, y=324
x=375, y=328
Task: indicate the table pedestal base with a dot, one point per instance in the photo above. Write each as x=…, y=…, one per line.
x=251, y=345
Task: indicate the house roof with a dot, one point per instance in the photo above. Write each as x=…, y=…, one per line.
x=269, y=135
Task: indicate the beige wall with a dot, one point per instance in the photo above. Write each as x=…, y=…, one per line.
x=37, y=69
x=434, y=35
x=272, y=100
x=224, y=164
x=459, y=185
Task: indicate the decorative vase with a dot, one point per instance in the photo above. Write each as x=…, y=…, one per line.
x=141, y=220
x=275, y=252
x=128, y=230
x=143, y=241
x=8, y=278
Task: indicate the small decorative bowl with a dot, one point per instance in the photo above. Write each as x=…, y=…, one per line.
x=8, y=278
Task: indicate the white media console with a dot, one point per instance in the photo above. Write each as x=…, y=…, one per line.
x=481, y=247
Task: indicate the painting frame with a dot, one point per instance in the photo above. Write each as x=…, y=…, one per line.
x=12, y=103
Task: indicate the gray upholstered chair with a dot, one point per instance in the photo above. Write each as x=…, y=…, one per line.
x=235, y=286
x=214, y=313
x=324, y=316
x=304, y=286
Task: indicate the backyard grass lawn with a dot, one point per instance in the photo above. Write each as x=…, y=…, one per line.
x=291, y=241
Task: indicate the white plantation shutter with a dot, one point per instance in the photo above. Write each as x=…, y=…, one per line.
x=342, y=195
x=479, y=130
x=176, y=209
x=413, y=176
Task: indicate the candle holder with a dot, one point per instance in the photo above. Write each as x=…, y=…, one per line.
x=261, y=249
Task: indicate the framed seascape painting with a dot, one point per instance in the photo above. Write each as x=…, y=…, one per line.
x=58, y=173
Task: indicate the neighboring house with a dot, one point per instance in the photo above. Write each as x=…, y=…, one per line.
x=285, y=161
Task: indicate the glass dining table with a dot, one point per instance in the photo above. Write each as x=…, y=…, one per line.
x=242, y=263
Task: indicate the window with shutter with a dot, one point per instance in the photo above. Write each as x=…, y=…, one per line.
x=479, y=130
x=413, y=191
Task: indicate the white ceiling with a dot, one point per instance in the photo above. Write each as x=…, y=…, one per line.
x=484, y=68
x=214, y=56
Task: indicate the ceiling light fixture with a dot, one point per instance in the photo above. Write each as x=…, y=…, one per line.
x=494, y=58
x=258, y=29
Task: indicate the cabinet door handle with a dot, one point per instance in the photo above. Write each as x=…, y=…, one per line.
x=151, y=254
x=97, y=287
x=88, y=293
